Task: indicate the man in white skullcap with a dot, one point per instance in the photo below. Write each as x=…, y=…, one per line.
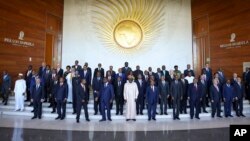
x=19, y=90
x=130, y=96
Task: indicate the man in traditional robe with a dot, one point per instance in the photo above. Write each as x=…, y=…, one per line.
x=130, y=96
x=20, y=89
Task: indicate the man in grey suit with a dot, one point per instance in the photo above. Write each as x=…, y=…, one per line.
x=176, y=94
x=163, y=94
x=6, y=84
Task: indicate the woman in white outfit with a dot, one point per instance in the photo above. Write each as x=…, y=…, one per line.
x=19, y=90
x=69, y=82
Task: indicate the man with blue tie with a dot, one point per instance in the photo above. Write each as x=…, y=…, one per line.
x=163, y=95
x=215, y=98
x=228, y=98
x=96, y=86
x=6, y=84
x=37, y=99
x=61, y=98
x=239, y=97
x=176, y=94
x=152, y=98
x=82, y=100
x=140, y=98
x=194, y=96
x=106, y=97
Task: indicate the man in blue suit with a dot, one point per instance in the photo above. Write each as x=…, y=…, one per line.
x=194, y=96
x=61, y=98
x=96, y=86
x=82, y=100
x=37, y=98
x=152, y=98
x=106, y=97
x=228, y=98
x=239, y=96
x=176, y=94
x=6, y=84
x=121, y=74
x=215, y=98
x=140, y=98
x=42, y=70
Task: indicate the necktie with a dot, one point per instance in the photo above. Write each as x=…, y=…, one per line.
x=153, y=88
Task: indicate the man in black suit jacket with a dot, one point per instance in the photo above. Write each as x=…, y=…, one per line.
x=59, y=71
x=184, y=86
x=77, y=66
x=137, y=72
x=163, y=88
x=126, y=69
x=99, y=69
x=203, y=89
x=88, y=68
x=42, y=70
x=82, y=100
x=28, y=76
x=37, y=99
x=188, y=70
x=76, y=80
x=119, y=99
x=141, y=96
x=215, y=99
x=166, y=74
x=96, y=87
x=6, y=84
x=61, y=98
x=176, y=94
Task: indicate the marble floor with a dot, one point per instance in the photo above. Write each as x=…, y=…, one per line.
x=22, y=128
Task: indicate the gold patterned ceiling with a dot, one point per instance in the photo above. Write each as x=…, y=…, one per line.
x=128, y=26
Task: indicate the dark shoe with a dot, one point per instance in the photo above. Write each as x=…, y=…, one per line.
x=39, y=117
x=166, y=113
x=231, y=116
x=30, y=104
x=34, y=117
x=116, y=113
x=53, y=111
x=141, y=113
x=219, y=116
x=185, y=112
x=26, y=101
x=62, y=118
x=161, y=114
x=95, y=113
x=110, y=119
x=102, y=120
x=205, y=112
x=178, y=118
x=197, y=117
x=242, y=115
x=57, y=118
x=49, y=106
x=237, y=115
x=32, y=111
x=154, y=119
x=212, y=116
x=127, y=119
x=149, y=119
x=174, y=118
x=73, y=113
x=87, y=120
x=5, y=103
x=77, y=121
x=121, y=114
x=191, y=117
x=134, y=119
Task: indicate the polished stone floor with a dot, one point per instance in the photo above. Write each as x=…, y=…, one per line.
x=19, y=134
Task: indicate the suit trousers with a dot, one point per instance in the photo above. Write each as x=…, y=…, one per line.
x=79, y=108
x=37, y=104
x=61, y=108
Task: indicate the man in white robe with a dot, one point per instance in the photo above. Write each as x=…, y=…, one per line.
x=130, y=96
x=19, y=90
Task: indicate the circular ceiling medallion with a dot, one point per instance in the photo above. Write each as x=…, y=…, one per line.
x=128, y=34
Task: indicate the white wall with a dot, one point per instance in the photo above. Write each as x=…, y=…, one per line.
x=174, y=46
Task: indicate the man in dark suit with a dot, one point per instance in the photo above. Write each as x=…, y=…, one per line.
x=152, y=94
x=99, y=69
x=32, y=85
x=239, y=97
x=87, y=76
x=122, y=75
x=215, y=98
x=59, y=71
x=77, y=66
x=61, y=98
x=37, y=99
x=119, y=99
x=54, y=85
x=137, y=72
x=186, y=71
x=194, y=97
x=6, y=84
x=247, y=83
x=184, y=86
x=208, y=78
x=82, y=100
x=27, y=77
x=126, y=69
x=234, y=81
x=47, y=82
x=140, y=98
x=111, y=72
x=158, y=75
x=163, y=95
x=106, y=97
x=176, y=94
x=88, y=68
x=228, y=98
x=203, y=90
x=96, y=87
x=76, y=80
x=166, y=74
x=221, y=77
x=150, y=72
x=42, y=70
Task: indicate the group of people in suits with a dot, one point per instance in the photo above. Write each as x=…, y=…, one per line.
x=138, y=89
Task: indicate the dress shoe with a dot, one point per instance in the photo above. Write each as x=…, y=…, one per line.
x=49, y=106
x=154, y=119
x=237, y=115
x=95, y=113
x=32, y=111
x=141, y=113
x=212, y=116
x=26, y=101
x=231, y=116
x=174, y=118
x=110, y=119
x=116, y=113
x=77, y=121
x=17, y=110
x=102, y=120
x=166, y=113
x=197, y=117
x=62, y=118
x=242, y=115
x=127, y=119
x=178, y=118
x=87, y=120
x=219, y=116
x=39, y=117
x=53, y=111
x=121, y=114
x=161, y=114
x=134, y=119
x=205, y=112
x=73, y=113
x=149, y=119
x=185, y=112
x=5, y=103
x=34, y=117
x=57, y=118
x=191, y=117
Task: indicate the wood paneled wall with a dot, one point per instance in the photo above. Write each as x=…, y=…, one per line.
x=224, y=18
x=35, y=18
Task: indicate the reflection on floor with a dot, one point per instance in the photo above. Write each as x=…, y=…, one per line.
x=19, y=134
